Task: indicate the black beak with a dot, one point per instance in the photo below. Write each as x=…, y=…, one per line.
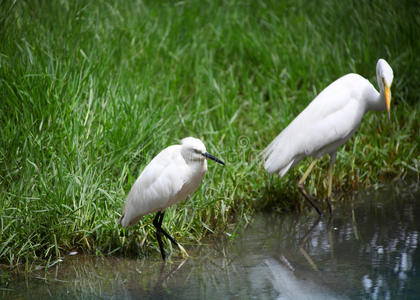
x=208, y=155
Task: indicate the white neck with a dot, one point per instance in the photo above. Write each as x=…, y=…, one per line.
x=375, y=100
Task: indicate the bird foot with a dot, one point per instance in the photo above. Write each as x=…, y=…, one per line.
x=184, y=253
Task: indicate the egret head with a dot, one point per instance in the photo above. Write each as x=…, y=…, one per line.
x=384, y=75
x=193, y=149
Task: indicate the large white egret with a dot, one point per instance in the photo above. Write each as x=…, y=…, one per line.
x=169, y=178
x=327, y=123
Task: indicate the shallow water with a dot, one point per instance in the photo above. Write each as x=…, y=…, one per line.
x=369, y=250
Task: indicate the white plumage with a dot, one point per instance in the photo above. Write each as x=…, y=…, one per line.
x=170, y=177
x=329, y=120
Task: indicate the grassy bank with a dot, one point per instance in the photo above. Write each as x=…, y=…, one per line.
x=90, y=91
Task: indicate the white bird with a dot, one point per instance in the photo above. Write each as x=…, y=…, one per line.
x=169, y=178
x=327, y=123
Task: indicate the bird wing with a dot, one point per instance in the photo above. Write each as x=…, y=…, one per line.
x=334, y=130
x=160, y=181
x=327, y=120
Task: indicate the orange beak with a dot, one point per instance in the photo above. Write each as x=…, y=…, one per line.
x=388, y=100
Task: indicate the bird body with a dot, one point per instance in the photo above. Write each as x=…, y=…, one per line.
x=329, y=120
x=169, y=178
x=165, y=181
x=323, y=126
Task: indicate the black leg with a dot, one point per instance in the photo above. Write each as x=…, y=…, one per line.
x=174, y=242
x=157, y=225
x=302, y=188
x=309, y=198
x=157, y=222
x=329, y=205
x=162, y=214
x=162, y=251
x=169, y=237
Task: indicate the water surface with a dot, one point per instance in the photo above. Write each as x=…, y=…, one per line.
x=369, y=250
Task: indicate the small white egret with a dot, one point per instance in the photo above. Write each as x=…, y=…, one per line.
x=327, y=123
x=169, y=178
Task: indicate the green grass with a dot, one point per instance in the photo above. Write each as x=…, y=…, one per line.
x=90, y=91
